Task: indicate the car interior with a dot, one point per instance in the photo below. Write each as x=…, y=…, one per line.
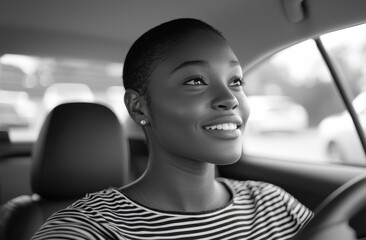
x=64, y=131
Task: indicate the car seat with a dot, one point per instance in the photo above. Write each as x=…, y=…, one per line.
x=80, y=149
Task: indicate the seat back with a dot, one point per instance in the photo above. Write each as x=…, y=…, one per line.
x=80, y=149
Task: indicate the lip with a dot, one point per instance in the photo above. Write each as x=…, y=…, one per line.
x=224, y=119
x=224, y=134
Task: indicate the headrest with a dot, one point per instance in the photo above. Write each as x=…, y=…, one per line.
x=80, y=149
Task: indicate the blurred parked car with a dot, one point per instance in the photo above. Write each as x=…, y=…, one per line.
x=16, y=109
x=276, y=114
x=66, y=92
x=339, y=136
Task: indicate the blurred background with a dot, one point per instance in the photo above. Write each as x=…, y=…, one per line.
x=284, y=121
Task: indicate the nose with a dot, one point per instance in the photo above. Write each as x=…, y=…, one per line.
x=224, y=99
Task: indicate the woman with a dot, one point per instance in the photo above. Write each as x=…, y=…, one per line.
x=184, y=85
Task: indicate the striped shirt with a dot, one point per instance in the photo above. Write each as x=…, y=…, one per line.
x=257, y=210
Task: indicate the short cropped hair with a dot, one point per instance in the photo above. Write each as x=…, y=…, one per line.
x=151, y=48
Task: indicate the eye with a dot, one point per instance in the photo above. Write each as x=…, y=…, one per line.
x=237, y=82
x=197, y=81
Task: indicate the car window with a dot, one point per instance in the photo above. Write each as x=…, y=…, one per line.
x=347, y=49
x=32, y=86
x=296, y=111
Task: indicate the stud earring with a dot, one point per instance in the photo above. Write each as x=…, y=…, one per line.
x=143, y=122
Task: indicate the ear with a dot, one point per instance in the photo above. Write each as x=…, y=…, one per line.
x=136, y=106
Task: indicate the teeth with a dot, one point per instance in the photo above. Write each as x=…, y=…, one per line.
x=224, y=126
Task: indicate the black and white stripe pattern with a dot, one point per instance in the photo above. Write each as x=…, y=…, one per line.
x=257, y=211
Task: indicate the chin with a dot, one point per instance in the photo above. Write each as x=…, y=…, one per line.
x=226, y=159
x=229, y=155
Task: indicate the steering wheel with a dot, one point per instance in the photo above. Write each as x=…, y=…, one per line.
x=331, y=220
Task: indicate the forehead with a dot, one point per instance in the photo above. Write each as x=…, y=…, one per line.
x=200, y=45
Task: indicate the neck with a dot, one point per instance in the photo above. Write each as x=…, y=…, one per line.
x=178, y=184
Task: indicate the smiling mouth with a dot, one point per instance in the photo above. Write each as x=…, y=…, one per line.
x=223, y=127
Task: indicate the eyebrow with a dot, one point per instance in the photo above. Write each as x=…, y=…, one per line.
x=232, y=63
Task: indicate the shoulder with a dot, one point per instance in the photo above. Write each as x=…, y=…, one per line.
x=81, y=220
x=259, y=190
x=263, y=193
x=91, y=199
x=252, y=187
x=70, y=223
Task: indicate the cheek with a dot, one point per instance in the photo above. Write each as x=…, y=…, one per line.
x=244, y=108
x=174, y=120
x=176, y=126
x=172, y=113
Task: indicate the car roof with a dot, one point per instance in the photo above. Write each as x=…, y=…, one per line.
x=104, y=30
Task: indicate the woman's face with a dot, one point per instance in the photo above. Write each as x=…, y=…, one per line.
x=198, y=107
